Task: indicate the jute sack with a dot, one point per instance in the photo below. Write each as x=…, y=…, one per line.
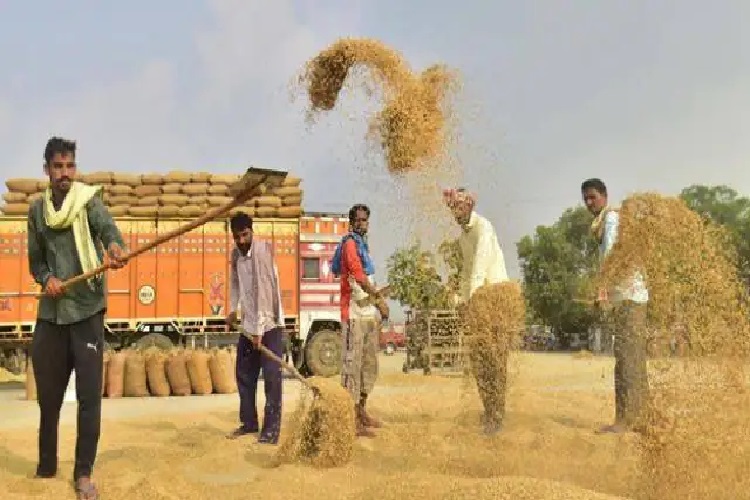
x=116, y=375
x=106, y=358
x=174, y=200
x=152, y=180
x=171, y=188
x=118, y=211
x=30, y=381
x=148, y=201
x=291, y=201
x=98, y=178
x=122, y=200
x=168, y=211
x=16, y=209
x=265, y=211
x=245, y=210
x=287, y=191
x=191, y=211
x=195, y=189
x=147, y=190
x=177, y=373
x=120, y=189
x=222, y=375
x=177, y=176
x=42, y=185
x=218, y=190
x=156, y=372
x=267, y=201
x=15, y=197
x=219, y=201
x=33, y=197
x=142, y=211
x=135, y=381
x=226, y=179
x=200, y=177
x=198, y=201
x=289, y=212
x=26, y=186
x=200, y=374
x=126, y=180
x=291, y=180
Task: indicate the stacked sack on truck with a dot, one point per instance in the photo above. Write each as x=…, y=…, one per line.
x=174, y=195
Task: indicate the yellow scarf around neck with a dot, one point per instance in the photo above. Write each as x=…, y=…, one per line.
x=73, y=214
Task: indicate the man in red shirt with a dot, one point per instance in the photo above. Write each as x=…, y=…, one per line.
x=359, y=317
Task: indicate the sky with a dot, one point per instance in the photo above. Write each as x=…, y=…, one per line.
x=647, y=95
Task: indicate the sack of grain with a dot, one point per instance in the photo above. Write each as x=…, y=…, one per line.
x=222, y=375
x=16, y=209
x=200, y=374
x=148, y=201
x=291, y=181
x=106, y=358
x=15, y=197
x=33, y=197
x=267, y=201
x=289, y=212
x=191, y=211
x=30, y=381
x=156, y=373
x=265, y=211
x=168, y=211
x=284, y=191
x=26, y=186
x=195, y=189
x=200, y=177
x=126, y=180
x=152, y=180
x=134, y=384
x=219, y=201
x=177, y=373
x=178, y=200
x=147, y=190
x=199, y=201
x=291, y=201
x=218, y=190
x=226, y=179
x=42, y=185
x=245, y=210
x=124, y=201
x=116, y=374
x=142, y=211
x=177, y=177
x=97, y=178
x=120, y=189
x=233, y=354
x=171, y=188
x=118, y=211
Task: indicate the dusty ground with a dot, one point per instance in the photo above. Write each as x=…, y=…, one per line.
x=174, y=448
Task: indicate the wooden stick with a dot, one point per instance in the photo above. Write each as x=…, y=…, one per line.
x=289, y=368
x=240, y=197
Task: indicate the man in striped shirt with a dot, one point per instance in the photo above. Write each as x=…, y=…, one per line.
x=627, y=317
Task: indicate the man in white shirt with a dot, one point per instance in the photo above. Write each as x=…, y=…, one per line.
x=627, y=317
x=482, y=263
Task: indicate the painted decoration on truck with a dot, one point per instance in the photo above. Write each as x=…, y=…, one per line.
x=216, y=293
x=146, y=295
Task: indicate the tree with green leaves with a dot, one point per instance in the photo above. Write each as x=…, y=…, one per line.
x=558, y=263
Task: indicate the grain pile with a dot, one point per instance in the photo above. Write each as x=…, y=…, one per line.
x=696, y=442
x=411, y=127
x=173, y=195
x=322, y=428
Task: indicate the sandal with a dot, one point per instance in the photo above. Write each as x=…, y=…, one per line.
x=86, y=490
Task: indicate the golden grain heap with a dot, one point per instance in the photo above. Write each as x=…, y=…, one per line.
x=411, y=127
x=173, y=195
x=697, y=439
x=322, y=428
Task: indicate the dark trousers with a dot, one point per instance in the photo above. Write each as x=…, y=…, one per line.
x=56, y=350
x=249, y=363
x=631, y=369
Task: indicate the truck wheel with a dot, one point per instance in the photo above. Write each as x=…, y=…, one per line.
x=157, y=340
x=323, y=353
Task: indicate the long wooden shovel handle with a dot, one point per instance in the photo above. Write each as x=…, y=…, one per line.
x=207, y=217
x=289, y=368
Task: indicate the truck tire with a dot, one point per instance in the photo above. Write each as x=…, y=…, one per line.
x=154, y=340
x=323, y=355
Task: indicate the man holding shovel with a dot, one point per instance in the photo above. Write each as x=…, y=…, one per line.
x=361, y=328
x=482, y=264
x=254, y=288
x=64, y=227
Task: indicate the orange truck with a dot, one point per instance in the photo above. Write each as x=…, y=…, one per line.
x=177, y=293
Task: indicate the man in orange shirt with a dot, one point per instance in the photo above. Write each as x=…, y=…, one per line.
x=361, y=327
